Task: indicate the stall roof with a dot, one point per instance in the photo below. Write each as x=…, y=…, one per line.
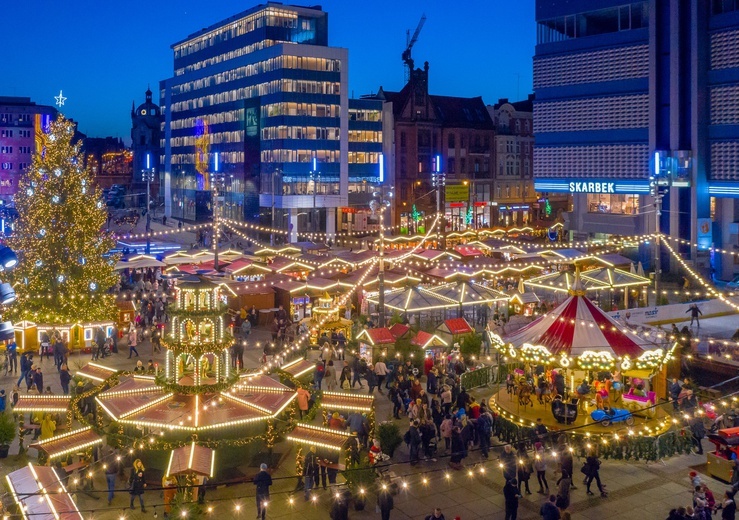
x=67, y=443
x=456, y=326
x=320, y=437
x=469, y=293
x=468, y=251
x=137, y=262
x=613, y=260
x=377, y=336
x=42, y=403
x=424, y=339
x=31, y=483
x=299, y=367
x=399, y=329
x=287, y=265
x=414, y=299
x=346, y=401
x=433, y=255
x=524, y=298
x=312, y=246
x=95, y=372
x=191, y=459
x=188, y=257
x=244, y=265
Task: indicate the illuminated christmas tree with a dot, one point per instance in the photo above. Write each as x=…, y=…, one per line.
x=63, y=275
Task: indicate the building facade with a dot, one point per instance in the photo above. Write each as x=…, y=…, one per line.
x=425, y=133
x=264, y=93
x=514, y=199
x=146, y=128
x=109, y=160
x=630, y=96
x=22, y=124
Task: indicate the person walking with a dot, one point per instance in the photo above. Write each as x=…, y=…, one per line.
x=11, y=351
x=540, y=465
x=484, y=431
x=169, y=491
x=303, y=397
x=508, y=463
x=137, y=483
x=385, y=502
x=698, y=431
x=48, y=427
x=695, y=312
x=727, y=506
x=25, y=367
x=310, y=471
x=414, y=436
x=592, y=472
x=111, y=471
x=563, y=491
x=64, y=378
x=262, y=481
x=511, y=495
x=330, y=376
x=371, y=379
x=38, y=379
x=381, y=373
x=525, y=468
x=132, y=342
x=357, y=372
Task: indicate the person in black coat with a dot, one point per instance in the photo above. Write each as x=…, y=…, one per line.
x=137, y=483
x=386, y=503
x=263, y=480
x=459, y=449
x=340, y=508
x=511, y=495
x=698, y=431
x=592, y=472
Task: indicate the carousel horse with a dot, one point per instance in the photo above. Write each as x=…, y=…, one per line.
x=524, y=393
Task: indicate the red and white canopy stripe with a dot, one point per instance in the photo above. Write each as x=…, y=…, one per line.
x=577, y=326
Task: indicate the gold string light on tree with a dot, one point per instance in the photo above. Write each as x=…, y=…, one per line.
x=59, y=237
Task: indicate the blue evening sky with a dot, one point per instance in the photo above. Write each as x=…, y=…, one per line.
x=104, y=53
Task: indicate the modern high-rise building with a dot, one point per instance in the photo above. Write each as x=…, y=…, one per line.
x=633, y=95
x=22, y=125
x=262, y=99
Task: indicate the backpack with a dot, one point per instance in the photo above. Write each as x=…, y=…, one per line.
x=407, y=437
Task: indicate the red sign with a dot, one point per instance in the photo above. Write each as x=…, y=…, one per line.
x=457, y=204
x=480, y=204
x=348, y=210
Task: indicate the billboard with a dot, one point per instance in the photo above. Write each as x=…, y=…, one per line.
x=456, y=193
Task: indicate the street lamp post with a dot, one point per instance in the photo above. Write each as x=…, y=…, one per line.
x=147, y=175
x=274, y=189
x=439, y=181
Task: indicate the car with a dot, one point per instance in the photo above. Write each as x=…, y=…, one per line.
x=612, y=415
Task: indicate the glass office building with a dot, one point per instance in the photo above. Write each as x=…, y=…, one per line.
x=261, y=98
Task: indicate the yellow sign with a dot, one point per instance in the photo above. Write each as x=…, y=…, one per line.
x=457, y=193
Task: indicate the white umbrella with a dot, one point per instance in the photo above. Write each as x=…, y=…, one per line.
x=632, y=269
x=640, y=269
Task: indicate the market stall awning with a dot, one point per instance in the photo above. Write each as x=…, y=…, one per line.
x=614, y=277
x=434, y=255
x=95, y=372
x=138, y=262
x=243, y=267
x=524, y=298
x=42, y=403
x=40, y=494
x=334, y=440
x=347, y=401
x=288, y=265
x=188, y=257
x=425, y=339
x=377, y=336
x=456, y=327
x=67, y=443
x=191, y=459
x=299, y=367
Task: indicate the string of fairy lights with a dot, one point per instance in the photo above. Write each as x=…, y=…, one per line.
x=405, y=481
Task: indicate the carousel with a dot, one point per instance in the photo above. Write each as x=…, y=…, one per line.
x=325, y=321
x=577, y=366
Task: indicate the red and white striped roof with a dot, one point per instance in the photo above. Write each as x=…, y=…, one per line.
x=577, y=326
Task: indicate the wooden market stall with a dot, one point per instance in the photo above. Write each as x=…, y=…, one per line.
x=330, y=445
x=453, y=329
x=432, y=346
x=97, y=373
x=375, y=344
x=30, y=483
x=298, y=368
x=77, y=442
x=347, y=403
x=191, y=459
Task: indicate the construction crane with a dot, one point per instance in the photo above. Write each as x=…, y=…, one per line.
x=409, y=43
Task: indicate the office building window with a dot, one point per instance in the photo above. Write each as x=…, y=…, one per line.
x=7, y=133
x=402, y=139
x=592, y=23
x=451, y=140
x=615, y=204
x=451, y=166
x=724, y=6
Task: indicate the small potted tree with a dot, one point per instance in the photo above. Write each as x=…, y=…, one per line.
x=360, y=478
x=8, y=431
x=388, y=433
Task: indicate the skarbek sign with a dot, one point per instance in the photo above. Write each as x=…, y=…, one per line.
x=592, y=187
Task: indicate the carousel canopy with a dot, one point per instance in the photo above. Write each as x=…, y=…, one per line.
x=469, y=293
x=41, y=494
x=562, y=281
x=414, y=299
x=615, y=277
x=577, y=328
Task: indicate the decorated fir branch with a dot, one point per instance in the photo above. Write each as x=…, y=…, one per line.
x=59, y=237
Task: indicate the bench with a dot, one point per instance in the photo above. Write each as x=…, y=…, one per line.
x=69, y=468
